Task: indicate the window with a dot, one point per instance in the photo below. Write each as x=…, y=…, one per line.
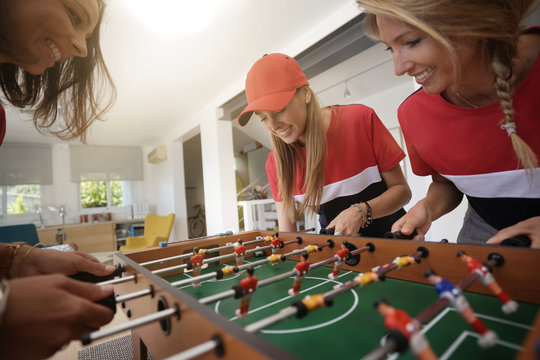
x=106, y=194
x=18, y=200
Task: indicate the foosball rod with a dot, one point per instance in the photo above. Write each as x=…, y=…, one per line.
x=430, y=312
x=219, y=273
x=100, y=334
x=327, y=298
x=228, y=293
x=381, y=352
x=421, y=252
x=215, y=344
x=182, y=266
x=187, y=255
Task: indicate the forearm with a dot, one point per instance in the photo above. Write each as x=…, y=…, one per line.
x=441, y=198
x=390, y=201
x=284, y=222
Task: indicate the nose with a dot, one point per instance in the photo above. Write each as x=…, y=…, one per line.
x=401, y=64
x=79, y=45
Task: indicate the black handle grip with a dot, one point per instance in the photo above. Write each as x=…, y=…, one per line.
x=91, y=278
x=399, y=235
x=517, y=241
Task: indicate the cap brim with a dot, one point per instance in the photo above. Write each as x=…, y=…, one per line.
x=273, y=102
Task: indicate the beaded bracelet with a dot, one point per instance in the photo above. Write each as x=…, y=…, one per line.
x=361, y=211
x=369, y=214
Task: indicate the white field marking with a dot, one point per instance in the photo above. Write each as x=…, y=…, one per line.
x=502, y=321
x=464, y=334
x=326, y=280
x=435, y=320
x=451, y=350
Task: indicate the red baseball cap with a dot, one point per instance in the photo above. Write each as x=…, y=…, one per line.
x=271, y=83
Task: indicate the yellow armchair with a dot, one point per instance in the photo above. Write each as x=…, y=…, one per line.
x=156, y=228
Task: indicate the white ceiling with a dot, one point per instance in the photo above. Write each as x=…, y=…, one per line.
x=162, y=79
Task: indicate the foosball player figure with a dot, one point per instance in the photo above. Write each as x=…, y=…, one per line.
x=397, y=320
x=276, y=244
x=340, y=257
x=246, y=288
x=457, y=300
x=196, y=261
x=364, y=279
x=484, y=271
x=301, y=269
x=400, y=262
x=240, y=252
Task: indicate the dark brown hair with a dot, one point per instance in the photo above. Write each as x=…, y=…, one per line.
x=80, y=89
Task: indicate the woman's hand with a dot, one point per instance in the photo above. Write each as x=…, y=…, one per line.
x=529, y=227
x=418, y=218
x=348, y=222
x=45, y=312
x=29, y=262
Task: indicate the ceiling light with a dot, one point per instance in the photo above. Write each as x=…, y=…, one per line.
x=171, y=18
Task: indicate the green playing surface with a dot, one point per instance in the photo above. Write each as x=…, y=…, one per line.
x=351, y=327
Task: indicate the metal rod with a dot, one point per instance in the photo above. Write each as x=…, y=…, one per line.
x=195, y=351
x=96, y=335
x=133, y=295
x=216, y=297
x=186, y=255
x=118, y=280
x=261, y=324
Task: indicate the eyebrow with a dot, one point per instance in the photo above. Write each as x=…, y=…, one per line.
x=84, y=9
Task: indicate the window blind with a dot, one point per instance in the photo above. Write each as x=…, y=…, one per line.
x=25, y=164
x=103, y=163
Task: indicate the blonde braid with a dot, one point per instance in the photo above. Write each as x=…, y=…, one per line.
x=504, y=78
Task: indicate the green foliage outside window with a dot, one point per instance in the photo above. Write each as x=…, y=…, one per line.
x=17, y=207
x=22, y=199
x=94, y=194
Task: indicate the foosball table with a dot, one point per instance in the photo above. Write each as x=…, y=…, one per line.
x=178, y=309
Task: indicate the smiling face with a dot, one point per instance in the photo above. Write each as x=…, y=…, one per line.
x=50, y=31
x=418, y=55
x=289, y=124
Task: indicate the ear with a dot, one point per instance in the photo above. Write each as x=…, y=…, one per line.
x=307, y=94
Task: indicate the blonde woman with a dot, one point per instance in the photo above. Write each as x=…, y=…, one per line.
x=339, y=161
x=474, y=126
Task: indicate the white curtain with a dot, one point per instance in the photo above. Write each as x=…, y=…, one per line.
x=103, y=163
x=25, y=164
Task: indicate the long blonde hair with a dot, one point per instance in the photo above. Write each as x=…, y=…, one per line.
x=287, y=155
x=494, y=23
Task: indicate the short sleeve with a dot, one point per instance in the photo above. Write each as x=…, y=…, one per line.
x=386, y=150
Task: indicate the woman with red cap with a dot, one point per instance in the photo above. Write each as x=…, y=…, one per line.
x=338, y=161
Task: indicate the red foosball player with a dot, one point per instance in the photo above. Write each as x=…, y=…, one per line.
x=240, y=251
x=455, y=297
x=475, y=266
x=246, y=288
x=340, y=256
x=301, y=269
x=398, y=320
x=276, y=244
x=196, y=262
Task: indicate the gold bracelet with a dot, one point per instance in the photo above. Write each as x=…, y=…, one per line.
x=29, y=251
